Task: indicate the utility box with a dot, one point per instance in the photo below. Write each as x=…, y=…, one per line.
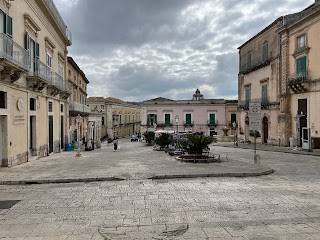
x=293, y=142
x=306, y=138
x=315, y=143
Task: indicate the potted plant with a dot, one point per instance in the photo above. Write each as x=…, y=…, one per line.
x=199, y=142
x=163, y=140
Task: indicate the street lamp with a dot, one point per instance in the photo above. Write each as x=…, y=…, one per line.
x=297, y=118
x=177, y=121
x=235, y=140
x=78, y=119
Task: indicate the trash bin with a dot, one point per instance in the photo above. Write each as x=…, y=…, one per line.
x=293, y=142
x=72, y=146
x=67, y=147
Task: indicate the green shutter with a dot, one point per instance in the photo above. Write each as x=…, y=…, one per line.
x=265, y=52
x=155, y=119
x=36, y=59
x=264, y=94
x=188, y=118
x=212, y=118
x=8, y=25
x=301, y=66
x=167, y=119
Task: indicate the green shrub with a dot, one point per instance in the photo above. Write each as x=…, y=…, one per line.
x=163, y=140
x=251, y=133
x=199, y=142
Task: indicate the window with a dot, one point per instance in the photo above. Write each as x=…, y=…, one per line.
x=102, y=120
x=188, y=118
x=264, y=94
x=34, y=51
x=301, y=66
x=32, y=104
x=3, y=99
x=249, y=60
x=248, y=93
x=167, y=120
x=212, y=118
x=120, y=118
x=265, y=55
x=301, y=41
x=60, y=69
x=102, y=106
x=233, y=117
x=61, y=108
x=50, y=107
x=49, y=60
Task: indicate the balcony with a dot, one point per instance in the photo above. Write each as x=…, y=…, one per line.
x=78, y=108
x=56, y=85
x=13, y=59
x=188, y=123
x=51, y=8
x=67, y=91
x=39, y=75
x=256, y=64
x=265, y=103
x=212, y=124
x=244, y=104
x=299, y=82
x=164, y=124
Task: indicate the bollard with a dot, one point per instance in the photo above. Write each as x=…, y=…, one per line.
x=257, y=159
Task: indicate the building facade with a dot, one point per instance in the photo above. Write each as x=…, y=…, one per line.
x=258, y=82
x=77, y=104
x=300, y=74
x=209, y=116
x=33, y=91
x=119, y=119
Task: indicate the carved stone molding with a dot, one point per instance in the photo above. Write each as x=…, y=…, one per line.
x=65, y=95
x=5, y=3
x=30, y=25
x=53, y=91
x=36, y=84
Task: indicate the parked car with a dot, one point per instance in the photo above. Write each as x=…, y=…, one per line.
x=134, y=138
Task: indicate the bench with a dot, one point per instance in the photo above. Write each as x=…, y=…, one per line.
x=200, y=158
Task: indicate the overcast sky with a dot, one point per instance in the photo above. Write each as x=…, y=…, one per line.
x=136, y=50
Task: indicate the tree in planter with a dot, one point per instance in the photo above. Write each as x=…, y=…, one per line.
x=199, y=142
x=251, y=133
x=163, y=140
x=149, y=136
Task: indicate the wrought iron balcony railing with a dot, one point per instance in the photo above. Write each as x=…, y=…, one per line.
x=164, y=124
x=299, y=77
x=56, y=15
x=256, y=62
x=212, y=123
x=39, y=69
x=188, y=123
x=68, y=87
x=57, y=81
x=78, y=107
x=13, y=52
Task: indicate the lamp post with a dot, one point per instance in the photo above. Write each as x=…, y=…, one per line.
x=234, y=124
x=177, y=122
x=78, y=119
x=297, y=118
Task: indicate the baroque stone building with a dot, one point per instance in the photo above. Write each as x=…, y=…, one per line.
x=33, y=90
x=278, y=67
x=209, y=116
x=119, y=118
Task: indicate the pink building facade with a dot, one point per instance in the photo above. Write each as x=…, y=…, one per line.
x=197, y=115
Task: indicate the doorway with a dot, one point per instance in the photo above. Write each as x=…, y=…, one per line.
x=62, y=133
x=3, y=141
x=50, y=134
x=32, y=136
x=265, y=124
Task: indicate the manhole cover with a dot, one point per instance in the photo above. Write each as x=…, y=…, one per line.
x=129, y=233
x=8, y=203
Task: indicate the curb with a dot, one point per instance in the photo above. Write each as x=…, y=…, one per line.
x=48, y=181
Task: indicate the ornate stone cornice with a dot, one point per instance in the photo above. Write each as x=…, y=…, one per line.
x=31, y=25
x=49, y=43
x=5, y=3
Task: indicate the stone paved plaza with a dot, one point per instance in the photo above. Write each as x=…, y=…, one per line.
x=282, y=205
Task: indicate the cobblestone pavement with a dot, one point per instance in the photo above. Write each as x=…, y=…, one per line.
x=283, y=205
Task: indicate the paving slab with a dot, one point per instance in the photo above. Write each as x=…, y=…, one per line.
x=133, y=161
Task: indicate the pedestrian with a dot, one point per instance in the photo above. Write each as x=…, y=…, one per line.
x=115, y=144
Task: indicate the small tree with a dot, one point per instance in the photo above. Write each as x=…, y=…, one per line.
x=149, y=136
x=199, y=142
x=163, y=140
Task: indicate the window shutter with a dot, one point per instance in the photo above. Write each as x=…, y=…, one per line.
x=155, y=118
x=212, y=118
x=8, y=25
x=265, y=52
x=264, y=89
x=167, y=118
x=188, y=118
